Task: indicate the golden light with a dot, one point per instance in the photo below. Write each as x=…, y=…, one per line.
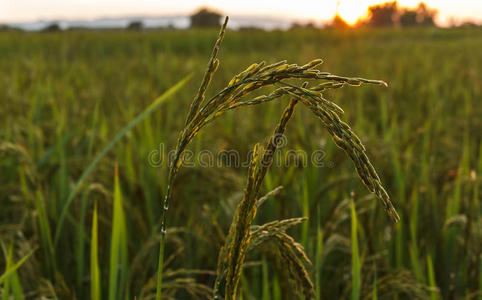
x=351, y=11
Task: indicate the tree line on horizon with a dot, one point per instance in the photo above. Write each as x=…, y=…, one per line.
x=387, y=14
x=390, y=14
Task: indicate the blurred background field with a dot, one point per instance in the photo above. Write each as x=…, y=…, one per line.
x=66, y=94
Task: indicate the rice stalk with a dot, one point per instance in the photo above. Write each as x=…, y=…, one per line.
x=291, y=253
x=174, y=281
x=242, y=84
x=261, y=234
x=210, y=70
x=247, y=207
x=347, y=140
x=255, y=77
x=238, y=238
x=270, y=194
x=249, y=80
x=398, y=283
x=295, y=258
x=237, y=242
x=212, y=67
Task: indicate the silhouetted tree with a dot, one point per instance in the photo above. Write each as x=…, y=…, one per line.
x=408, y=18
x=309, y=25
x=425, y=15
x=205, y=18
x=421, y=15
x=389, y=14
x=382, y=14
x=295, y=26
x=52, y=28
x=250, y=28
x=135, y=25
x=4, y=27
x=468, y=24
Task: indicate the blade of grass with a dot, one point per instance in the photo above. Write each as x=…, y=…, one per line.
x=266, y=281
x=431, y=278
x=6, y=284
x=17, y=289
x=160, y=267
x=94, y=260
x=13, y=268
x=413, y=245
x=355, y=258
x=166, y=95
x=374, y=289
x=63, y=174
x=118, y=249
x=399, y=241
x=477, y=209
x=276, y=288
x=80, y=241
x=319, y=258
x=45, y=233
x=452, y=232
x=480, y=277
x=319, y=262
x=12, y=281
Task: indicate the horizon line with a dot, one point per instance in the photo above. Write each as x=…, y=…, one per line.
x=278, y=17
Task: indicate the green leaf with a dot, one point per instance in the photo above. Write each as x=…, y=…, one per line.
x=94, y=260
x=12, y=269
x=118, y=248
x=355, y=258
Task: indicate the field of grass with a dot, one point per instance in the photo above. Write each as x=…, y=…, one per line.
x=66, y=95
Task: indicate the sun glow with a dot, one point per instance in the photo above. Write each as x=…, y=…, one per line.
x=351, y=11
x=317, y=10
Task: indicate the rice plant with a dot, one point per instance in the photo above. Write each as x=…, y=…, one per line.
x=234, y=95
x=78, y=102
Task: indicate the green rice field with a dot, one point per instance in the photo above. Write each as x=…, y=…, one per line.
x=81, y=194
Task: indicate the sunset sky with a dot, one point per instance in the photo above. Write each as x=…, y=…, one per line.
x=318, y=10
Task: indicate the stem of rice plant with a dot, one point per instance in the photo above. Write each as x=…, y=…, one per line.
x=177, y=162
x=257, y=76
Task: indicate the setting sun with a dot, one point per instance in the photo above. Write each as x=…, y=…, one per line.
x=351, y=11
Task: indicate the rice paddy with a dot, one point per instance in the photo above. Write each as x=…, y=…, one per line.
x=82, y=203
